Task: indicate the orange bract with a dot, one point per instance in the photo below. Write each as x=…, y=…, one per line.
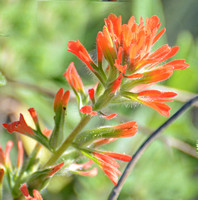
x=136, y=42
x=19, y=126
x=87, y=109
x=55, y=168
x=5, y=157
x=36, y=194
x=155, y=99
x=79, y=50
x=109, y=165
x=61, y=99
x=73, y=78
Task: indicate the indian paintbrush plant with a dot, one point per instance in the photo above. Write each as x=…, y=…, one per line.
x=126, y=67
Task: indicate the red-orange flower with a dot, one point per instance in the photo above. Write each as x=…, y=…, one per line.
x=111, y=116
x=87, y=109
x=155, y=99
x=109, y=165
x=133, y=43
x=73, y=78
x=61, y=99
x=116, y=84
x=134, y=58
x=5, y=157
x=81, y=169
x=79, y=50
x=92, y=94
x=1, y=176
x=126, y=129
x=55, y=168
x=36, y=194
x=103, y=141
x=19, y=126
x=105, y=44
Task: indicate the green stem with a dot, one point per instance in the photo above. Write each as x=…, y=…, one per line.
x=100, y=78
x=68, y=141
x=21, y=197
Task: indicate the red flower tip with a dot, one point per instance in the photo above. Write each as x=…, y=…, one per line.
x=54, y=169
x=2, y=157
x=155, y=99
x=86, y=165
x=111, y=116
x=109, y=166
x=8, y=148
x=58, y=98
x=20, y=155
x=116, y=83
x=118, y=156
x=47, y=132
x=127, y=129
x=5, y=157
x=133, y=76
x=19, y=126
x=99, y=50
x=36, y=194
x=24, y=190
x=87, y=109
x=79, y=50
x=159, y=74
x=91, y=94
x=103, y=141
x=118, y=62
x=93, y=113
x=73, y=78
x=61, y=99
x=33, y=115
x=105, y=44
x=178, y=64
x=65, y=98
x=79, y=169
x=91, y=172
x=1, y=175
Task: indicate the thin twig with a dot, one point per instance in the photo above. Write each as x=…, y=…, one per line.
x=180, y=145
x=117, y=189
x=173, y=142
x=32, y=87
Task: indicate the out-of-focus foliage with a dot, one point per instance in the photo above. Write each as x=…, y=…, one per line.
x=2, y=79
x=33, y=58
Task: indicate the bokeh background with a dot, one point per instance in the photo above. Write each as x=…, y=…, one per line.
x=33, y=58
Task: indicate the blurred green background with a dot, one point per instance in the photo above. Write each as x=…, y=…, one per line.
x=33, y=58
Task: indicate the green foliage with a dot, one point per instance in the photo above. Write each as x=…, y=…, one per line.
x=2, y=80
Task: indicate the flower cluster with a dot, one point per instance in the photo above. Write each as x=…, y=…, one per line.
x=132, y=66
x=126, y=68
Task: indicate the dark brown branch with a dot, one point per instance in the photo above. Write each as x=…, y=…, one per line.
x=117, y=189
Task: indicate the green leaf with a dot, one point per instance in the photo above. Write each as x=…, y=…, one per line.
x=87, y=137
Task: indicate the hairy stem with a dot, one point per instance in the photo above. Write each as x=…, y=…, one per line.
x=68, y=141
x=117, y=189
